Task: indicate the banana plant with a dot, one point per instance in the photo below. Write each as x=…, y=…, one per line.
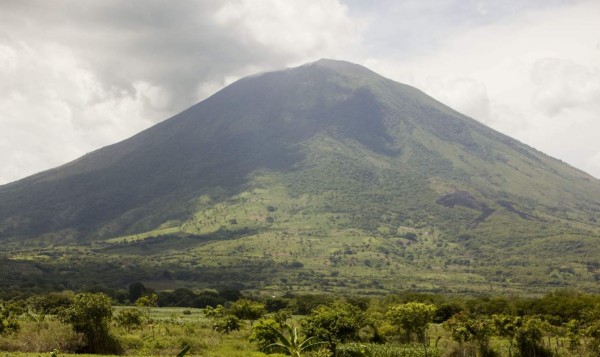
x=292, y=345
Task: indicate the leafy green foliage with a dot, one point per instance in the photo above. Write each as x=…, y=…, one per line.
x=226, y=324
x=175, y=328
x=51, y=303
x=90, y=314
x=8, y=323
x=413, y=318
x=506, y=326
x=529, y=335
x=221, y=319
x=135, y=291
x=478, y=329
x=147, y=301
x=246, y=309
x=335, y=323
x=264, y=334
x=129, y=318
x=214, y=312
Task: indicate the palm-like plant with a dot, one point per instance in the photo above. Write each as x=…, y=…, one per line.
x=292, y=345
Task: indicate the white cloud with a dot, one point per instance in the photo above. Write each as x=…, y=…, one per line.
x=466, y=95
x=288, y=27
x=592, y=164
x=52, y=110
x=562, y=84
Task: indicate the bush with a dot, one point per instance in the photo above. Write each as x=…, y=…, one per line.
x=413, y=317
x=52, y=303
x=8, y=323
x=226, y=324
x=129, y=317
x=335, y=323
x=247, y=309
x=529, y=337
x=49, y=335
x=90, y=315
x=264, y=334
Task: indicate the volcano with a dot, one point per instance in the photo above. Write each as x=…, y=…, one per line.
x=326, y=175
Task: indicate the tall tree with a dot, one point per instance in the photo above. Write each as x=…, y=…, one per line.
x=413, y=318
x=90, y=314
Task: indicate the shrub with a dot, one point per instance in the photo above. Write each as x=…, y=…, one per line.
x=226, y=324
x=247, y=309
x=529, y=337
x=51, y=303
x=90, y=315
x=129, y=318
x=38, y=338
x=478, y=330
x=413, y=317
x=264, y=334
x=335, y=323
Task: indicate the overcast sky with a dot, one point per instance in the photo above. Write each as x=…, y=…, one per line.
x=76, y=75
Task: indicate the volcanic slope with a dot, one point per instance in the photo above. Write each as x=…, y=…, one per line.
x=327, y=176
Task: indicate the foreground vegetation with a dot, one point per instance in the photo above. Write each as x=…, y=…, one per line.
x=564, y=323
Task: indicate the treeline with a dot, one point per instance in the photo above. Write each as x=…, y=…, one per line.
x=557, y=307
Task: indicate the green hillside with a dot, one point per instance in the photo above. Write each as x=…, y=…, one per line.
x=324, y=177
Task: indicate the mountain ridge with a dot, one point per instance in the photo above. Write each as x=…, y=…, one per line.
x=330, y=152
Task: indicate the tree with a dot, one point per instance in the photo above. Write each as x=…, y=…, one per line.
x=506, y=326
x=226, y=324
x=478, y=330
x=335, y=323
x=529, y=336
x=264, y=335
x=591, y=328
x=136, y=290
x=147, y=302
x=90, y=314
x=128, y=318
x=221, y=321
x=592, y=331
x=50, y=303
x=213, y=313
x=248, y=310
x=413, y=318
x=8, y=323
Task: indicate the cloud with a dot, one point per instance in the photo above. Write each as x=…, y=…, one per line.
x=592, y=164
x=563, y=84
x=176, y=45
x=76, y=75
x=52, y=109
x=465, y=95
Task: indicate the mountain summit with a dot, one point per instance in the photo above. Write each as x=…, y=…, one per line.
x=329, y=156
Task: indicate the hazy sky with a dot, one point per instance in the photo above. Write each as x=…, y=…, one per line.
x=76, y=75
